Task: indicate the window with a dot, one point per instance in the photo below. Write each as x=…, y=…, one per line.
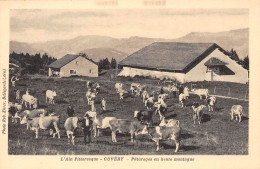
x=76, y=62
x=89, y=70
x=72, y=72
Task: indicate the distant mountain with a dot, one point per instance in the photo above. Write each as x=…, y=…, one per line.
x=100, y=53
x=236, y=39
x=104, y=46
x=21, y=47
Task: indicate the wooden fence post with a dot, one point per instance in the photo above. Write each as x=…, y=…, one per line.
x=246, y=93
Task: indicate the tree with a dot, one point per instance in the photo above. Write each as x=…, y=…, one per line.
x=245, y=63
x=113, y=63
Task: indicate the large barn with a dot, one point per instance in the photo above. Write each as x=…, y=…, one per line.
x=70, y=65
x=185, y=62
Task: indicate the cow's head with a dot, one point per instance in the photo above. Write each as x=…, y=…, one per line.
x=24, y=119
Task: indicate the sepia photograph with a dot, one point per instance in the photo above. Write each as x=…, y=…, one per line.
x=92, y=82
x=128, y=85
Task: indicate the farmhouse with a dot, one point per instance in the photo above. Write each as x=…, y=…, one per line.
x=185, y=62
x=70, y=65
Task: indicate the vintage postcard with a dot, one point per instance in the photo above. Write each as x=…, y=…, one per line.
x=111, y=83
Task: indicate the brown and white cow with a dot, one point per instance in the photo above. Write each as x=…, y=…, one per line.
x=29, y=114
x=165, y=133
x=237, y=111
x=169, y=123
x=45, y=122
x=127, y=126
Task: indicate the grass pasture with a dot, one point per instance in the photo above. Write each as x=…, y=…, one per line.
x=217, y=135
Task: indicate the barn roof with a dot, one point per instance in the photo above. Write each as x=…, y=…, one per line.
x=65, y=60
x=214, y=62
x=170, y=56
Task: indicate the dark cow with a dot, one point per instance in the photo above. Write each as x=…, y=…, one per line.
x=165, y=133
x=144, y=116
x=127, y=126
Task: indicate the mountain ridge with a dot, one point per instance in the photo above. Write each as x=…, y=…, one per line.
x=237, y=39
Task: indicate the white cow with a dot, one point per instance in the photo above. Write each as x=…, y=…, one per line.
x=119, y=86
x=122, y=93
x=45, y=122
x=211, y=101
x=50, y=95
x=182, y=99
x=29, y=100
x=71, y=125
x=197, y=113
x=25, y=115
x=91, y=96
x=101, y=123
x=236, y=110
x=201, y=92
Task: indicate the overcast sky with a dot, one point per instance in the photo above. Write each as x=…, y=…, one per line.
x=44, y=25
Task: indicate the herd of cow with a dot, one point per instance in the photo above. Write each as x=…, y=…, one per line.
x=25, y=110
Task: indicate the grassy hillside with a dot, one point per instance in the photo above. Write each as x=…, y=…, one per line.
x=217, y=135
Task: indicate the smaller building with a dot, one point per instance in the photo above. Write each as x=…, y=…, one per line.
x=71, y=65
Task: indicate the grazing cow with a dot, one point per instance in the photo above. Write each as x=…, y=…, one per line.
x=71, y=125
x=13, y=80
x=96, y=87
x=201, y=92
x=165, y=133
x=18, y=95
x=12, y=111
x=30, y=101
x=162, y=96
x=145, y=96
x=211, y=101
x=197, y=113
x=126, y=126
x=149, y=103
x=29, y=114
x=118, y=86
x=161, y=108
x=145, y=117
x=182, y=99
x=236, y=110
x=50, y=95
x=101, y=123
x=90, y=96
x=186, y=92
x=169, y=122
x=122, y=94
x=173, y=89
x=45, y=122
